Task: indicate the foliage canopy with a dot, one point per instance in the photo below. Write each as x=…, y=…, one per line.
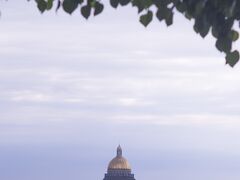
x=215, y=16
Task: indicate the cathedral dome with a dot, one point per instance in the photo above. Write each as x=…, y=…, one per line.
x=119, y=162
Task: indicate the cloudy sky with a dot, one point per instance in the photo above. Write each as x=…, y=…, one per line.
x=71, y=90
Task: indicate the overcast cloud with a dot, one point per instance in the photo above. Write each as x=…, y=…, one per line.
x=71, y=90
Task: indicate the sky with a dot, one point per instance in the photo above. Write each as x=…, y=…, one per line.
x=71, y=90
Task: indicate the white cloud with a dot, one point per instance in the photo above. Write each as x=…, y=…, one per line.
x=29, y=96
x=229, y=121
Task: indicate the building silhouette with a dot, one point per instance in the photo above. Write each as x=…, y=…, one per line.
x=119, y=168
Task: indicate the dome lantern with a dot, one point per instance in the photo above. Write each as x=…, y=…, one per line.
x=119, y=151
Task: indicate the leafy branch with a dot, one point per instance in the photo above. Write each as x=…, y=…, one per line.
x=215, y=16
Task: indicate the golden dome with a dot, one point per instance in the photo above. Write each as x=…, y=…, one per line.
x=119, y=162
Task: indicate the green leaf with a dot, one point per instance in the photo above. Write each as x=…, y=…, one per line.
x=199, y=7
x=224, y=44
x=147, y=3
x=232, y=58
x=86, y=11
x=49, y=4
x=70, y=5
x=138, y=4
x=42, y=5
x=124, y=2
x=160, y=14
x=169, y=20
x=146, y=18
x=234, y=35
x=164, y=13
x=92, y=3
x=98, y=8
x=229, y=10
x=114, y=3
x=187, y=15
x=201, y=26
x=181, y=6
x=159, y=3
x=215, y=31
